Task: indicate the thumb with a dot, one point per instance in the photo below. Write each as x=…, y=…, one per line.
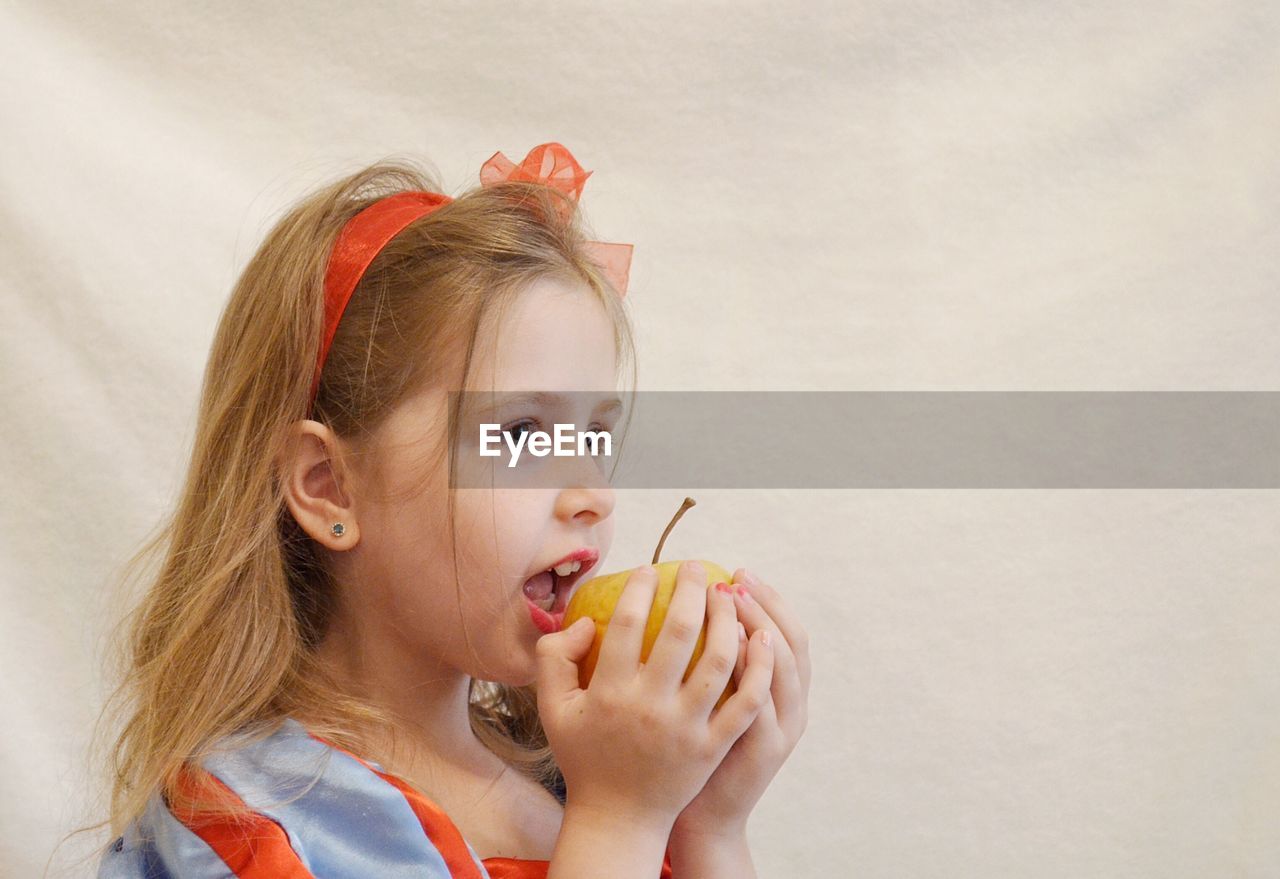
x=558, y=656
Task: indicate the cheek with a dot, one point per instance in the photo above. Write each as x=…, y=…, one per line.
x=605, y=532
x=411, y=549
x=517, y=527
x=511, y=506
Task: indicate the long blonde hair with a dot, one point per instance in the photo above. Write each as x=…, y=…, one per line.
x=222, y=643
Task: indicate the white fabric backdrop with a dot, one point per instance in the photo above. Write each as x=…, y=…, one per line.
x=835, y=196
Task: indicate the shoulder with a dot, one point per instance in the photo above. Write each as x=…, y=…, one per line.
x=315, y=811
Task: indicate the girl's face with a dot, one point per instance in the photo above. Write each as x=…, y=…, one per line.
x=555, y=337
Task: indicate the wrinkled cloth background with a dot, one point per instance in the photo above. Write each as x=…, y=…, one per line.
x=826, y=196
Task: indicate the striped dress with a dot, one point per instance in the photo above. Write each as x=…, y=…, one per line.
x=317, y=811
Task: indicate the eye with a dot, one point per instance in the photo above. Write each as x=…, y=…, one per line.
x=523, y=426
x=599, y=447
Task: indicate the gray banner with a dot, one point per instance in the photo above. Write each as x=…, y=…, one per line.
x=912, y=439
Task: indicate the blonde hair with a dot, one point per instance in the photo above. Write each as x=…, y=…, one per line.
x=222, y=643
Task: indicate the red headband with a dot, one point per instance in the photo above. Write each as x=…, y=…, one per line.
x=365, y=234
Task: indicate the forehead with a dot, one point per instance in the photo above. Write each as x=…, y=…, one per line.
x=553, y=336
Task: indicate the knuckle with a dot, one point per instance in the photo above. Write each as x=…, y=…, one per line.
x=754, y=700
x=651, y=715
x=688, y=737
x=720, y=663
x=609, y=704
x=644, y=572
x=691, y=570
x=682, y=630
x=627, y=620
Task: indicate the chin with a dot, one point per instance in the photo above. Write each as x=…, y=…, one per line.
x=517, y=671
x=523, y=675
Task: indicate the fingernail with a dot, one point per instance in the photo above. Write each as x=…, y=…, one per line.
x=724, y=587
x=765, y=638
x=741, y=592
x=696, y=569
x=751, y=578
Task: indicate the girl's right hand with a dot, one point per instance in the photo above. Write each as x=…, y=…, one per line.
x=639, y=743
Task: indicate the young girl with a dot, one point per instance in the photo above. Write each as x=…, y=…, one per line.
x=347, y=665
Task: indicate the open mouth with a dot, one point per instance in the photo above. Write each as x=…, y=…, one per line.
x=548, y=592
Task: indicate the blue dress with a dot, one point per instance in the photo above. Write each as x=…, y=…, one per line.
x=317, y=811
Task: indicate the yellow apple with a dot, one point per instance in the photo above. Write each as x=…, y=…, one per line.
x=598, y=597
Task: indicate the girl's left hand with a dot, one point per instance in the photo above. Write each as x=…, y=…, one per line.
x=720, y=810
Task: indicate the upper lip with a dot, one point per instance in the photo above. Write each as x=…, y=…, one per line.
x=587, y=556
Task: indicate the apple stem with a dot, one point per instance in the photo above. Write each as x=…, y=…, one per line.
x=688, y=502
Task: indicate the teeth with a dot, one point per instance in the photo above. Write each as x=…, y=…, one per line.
x=567, y=568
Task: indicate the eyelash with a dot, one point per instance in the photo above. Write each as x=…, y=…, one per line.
x=508, y=428
x=538, y=425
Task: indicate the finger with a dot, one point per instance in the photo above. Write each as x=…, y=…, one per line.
x=558, y=655
x=784, y=618
x=620, y=650
x=741, y=664
x=752, y=696
x=719, y=650
x=788, y=699
x=673, y=648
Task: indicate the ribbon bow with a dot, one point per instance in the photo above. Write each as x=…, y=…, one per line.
x=553, y=165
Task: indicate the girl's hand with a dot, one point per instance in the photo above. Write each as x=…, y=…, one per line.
x=720, y=810
x=639, y=744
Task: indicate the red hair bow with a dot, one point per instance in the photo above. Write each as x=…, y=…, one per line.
x=554, y=165
x=365, y=234
x=549, y=163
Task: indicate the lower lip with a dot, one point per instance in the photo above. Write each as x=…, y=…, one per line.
x=549, y=621
x=546, y=621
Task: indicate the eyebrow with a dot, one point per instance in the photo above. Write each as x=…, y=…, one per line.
x=548, y=399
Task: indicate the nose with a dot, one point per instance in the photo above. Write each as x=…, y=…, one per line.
x=588, y=503
x=587, y=506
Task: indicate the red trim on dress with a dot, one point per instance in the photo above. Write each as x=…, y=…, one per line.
x=442, y=832
x=254, y=847
x=521, y=868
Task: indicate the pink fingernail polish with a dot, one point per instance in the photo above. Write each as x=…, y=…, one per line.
x=741, y=591
x=723, y=587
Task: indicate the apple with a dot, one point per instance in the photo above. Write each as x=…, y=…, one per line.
x=597, y=598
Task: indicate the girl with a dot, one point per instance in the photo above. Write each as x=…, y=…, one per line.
x=348, y=665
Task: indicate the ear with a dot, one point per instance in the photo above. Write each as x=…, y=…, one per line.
x=317, y=489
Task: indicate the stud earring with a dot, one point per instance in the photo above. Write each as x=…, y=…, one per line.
x=338, y=529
